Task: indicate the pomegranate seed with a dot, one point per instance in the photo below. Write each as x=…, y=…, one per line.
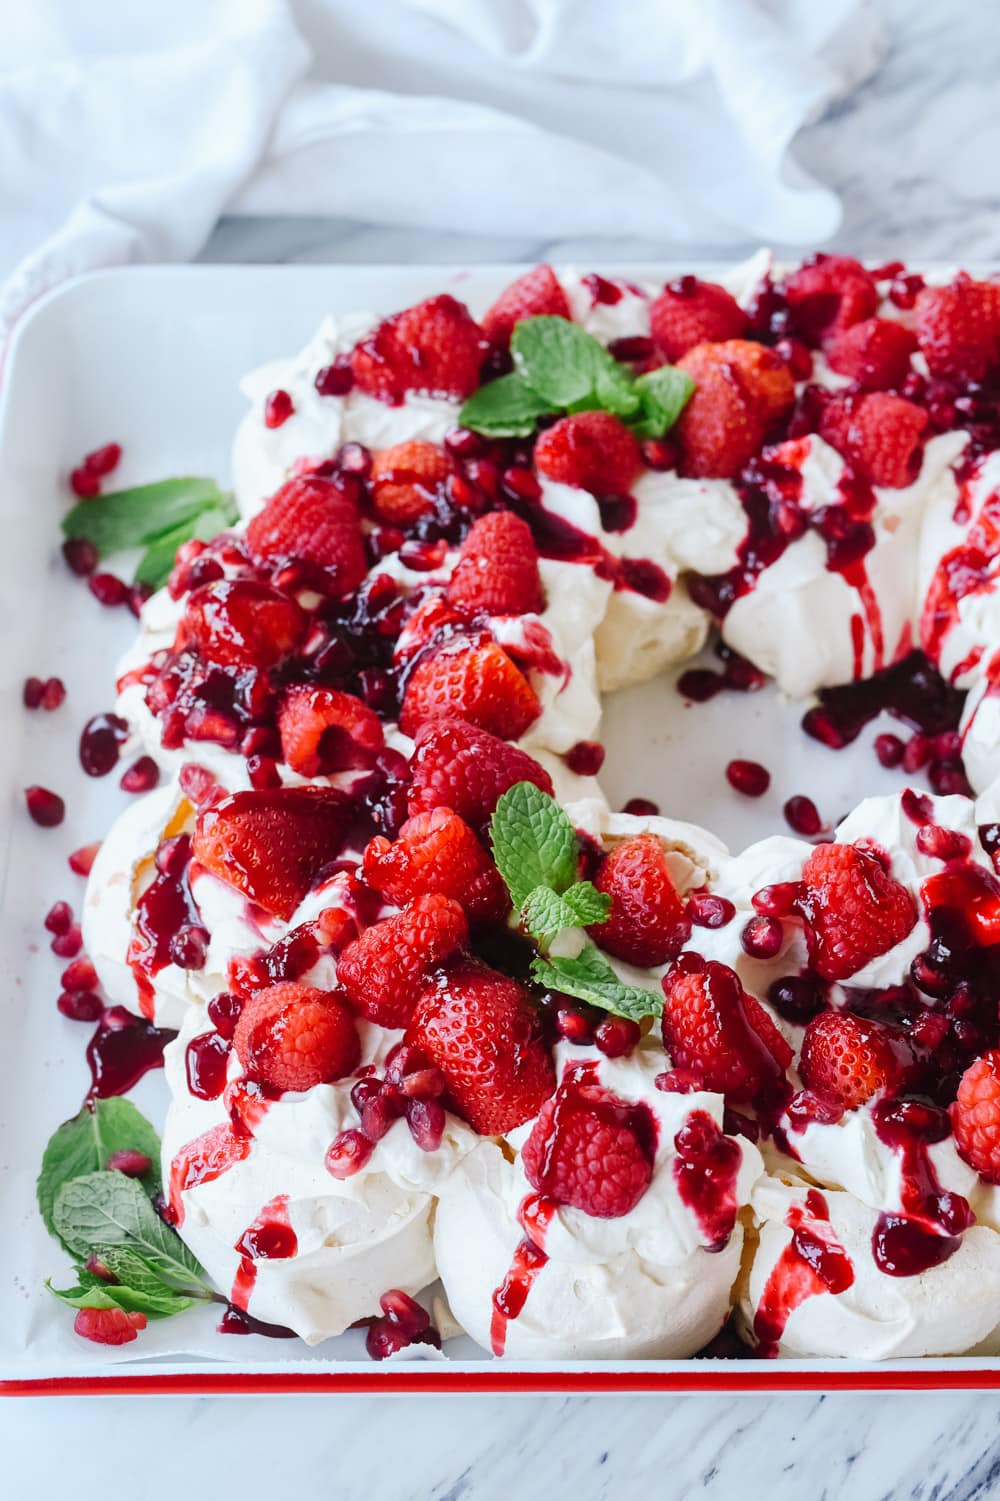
x=929, y=1030
x=172, y=855
x=916, y=753
x=141, y=776
x=641, y=807
x=743, y=675
x=805, y=1108
x=585, y=758
x=137, y=597
x=80, y=975
x=45, y=807
x=81, y=555
x=278, y=408
x=699, y=684
x=382, y=1340
x=942, y=844
x=108, y=589
x=263, y=772
x=822, y=726
x=889, y=749
x=355, y=458
x=947, y=777
x=336, y=379
x=426, y=1120
x=520, y=483
x=81, y=861
x=133, y=1164
x=617, y=1036
x=461, y=443
x=224, y=1012
x=189, y=947
x=574, y=1026
x=80, y=1005
x=748, y=777
x=101, y=742
x=84, y=484
x=762, y=937
x=59, y=918
x=423, y=1084
x=198, y=784
x=379, y=1114
x=348, y=1153
x=32, y=692
x=659, y=454
x=53, y=693
x=67, y=945
x=778, y=900
x=707, y=911
x=802, y=815
x=797, y=356
x=104, y=460
x=796, y=998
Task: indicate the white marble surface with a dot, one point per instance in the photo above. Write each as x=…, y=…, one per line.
x=914, y=156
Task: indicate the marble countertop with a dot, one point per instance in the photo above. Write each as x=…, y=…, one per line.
x=913, y=156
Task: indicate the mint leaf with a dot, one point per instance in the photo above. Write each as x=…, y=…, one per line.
x=138, y=1288
x=557, y=359
x=614, y=387
x=545, y=913
x=663, y=394
x=129, y=518
x=589, y=977
x=153, y=1298
x=534, y=842
x=587, y=904
x=505, y=408
x=104, y=1210
x=83, y=1145
x=89, y=1292
x=156, y=562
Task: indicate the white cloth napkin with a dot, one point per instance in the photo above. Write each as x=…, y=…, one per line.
x=127, y=129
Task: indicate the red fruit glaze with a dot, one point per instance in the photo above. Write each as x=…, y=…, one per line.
x=647, y=924
x=853, y=909
x=591, y=1150
x=292, y=1037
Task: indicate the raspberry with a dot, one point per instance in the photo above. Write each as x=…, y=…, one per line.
x=385, y=970
x=497, y=569
x=472, y=679
x=880, y=434
x=715, y=1031
x=482, y=1031
x=537, y=291
x=457, y=766
x=848, y=1058
x=691, y=312
x=958, y=328
x=316, y=520
x=437, y=851
x=646, y=925
x=875, y=353
x=741, y=390
x=591, y=450
x=853, y=909
x=292, y=1037
x=828, y=296
x=407, y=481
x=591, y=1150
x=240, y=623
x=325, y=731
x=434, y=347
x=975, y=1116
x=108, y=1326
x=271, y=845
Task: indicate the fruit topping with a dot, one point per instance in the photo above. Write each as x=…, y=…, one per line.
x=647, y=924
x=292, y=1037
x=591, y=1150
x=385, y=970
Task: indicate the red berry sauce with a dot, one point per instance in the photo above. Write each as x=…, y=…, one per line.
x=814, y=1262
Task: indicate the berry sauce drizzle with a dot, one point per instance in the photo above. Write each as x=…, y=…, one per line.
x=123, y=1048
x=929, y=1227
x=203, y=1161
x=269, y=1238
x=706, y=1168
x=812, y=1263
x=534, y=1216
x=163, y=910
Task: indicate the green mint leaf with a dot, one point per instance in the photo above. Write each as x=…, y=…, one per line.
x=84, y=1144
x=589, y=977
x=505, y=408
x=153, y=1298
x=89, y=1292
x=587, y=904
x=614, y=387
x=663, y=394
x=534, y=843
x=139, y=1289
x=544, y=914
x=557, y=359
x=107, y=1210
x=132, y=518
x=156, y=562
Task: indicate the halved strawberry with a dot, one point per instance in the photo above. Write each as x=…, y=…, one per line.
x=473, y=679
x=316, y=520
x=497, y=569
x=324, y=731
x=646, y=924
x=406, y=481
x=537, y=291
x=741, y=390
x=592, y=450
x=848, y=1058
x=434, y=347
x=241, y=623
x=456, y=765
x=717, y=1032
x=853, y=909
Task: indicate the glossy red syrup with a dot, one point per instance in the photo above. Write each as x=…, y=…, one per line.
x=971, y=890
x=534, y=1215
x=203, y=1161
x=206, y=1060
x=929, y=1227
x=963, y=571
x=238, y=1321
x=912, y=690
x=705, y=1172
x=813, y=1262
x=269, y=1238
x=123, y=1048
x=165, y=907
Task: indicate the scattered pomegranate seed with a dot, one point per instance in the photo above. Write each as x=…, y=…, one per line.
x=802, y=815
x=574, y=1026
x=748, y=777
x=53, y=693
x=108, y=589
x=46, y=808
x=336, y=379
x=80, y=1005
x=797, y=998
x=141, y=776
x=84, y=484
x=348, y=1153
x=947, y=777
x=700, y=684
x=616, y=1036
x=67, y=945
x=659, y=453
x=32, y=692
x=133, y=1164
x=101, y=742
x=278, y=408
x=942, y=844
x=889, y=749
x=355, y=458
x=916, y=753
x=81, y=860
x=778, y=900
x=707, y=911
x=762, y=937
x=80, y=975
x=103, y=460
x=642, y=807
x=189, y=947
x=137, y=597
x=585, y=758
x=81, y=556
x=59, y=918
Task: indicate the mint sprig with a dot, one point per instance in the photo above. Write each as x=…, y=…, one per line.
x=158, y=517
x=589, y=977
x=105, y=1219
x=559, y=367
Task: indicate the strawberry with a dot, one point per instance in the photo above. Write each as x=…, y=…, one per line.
x=407, y=481
x=458, y=766
x=272, y=845
x=497, y=569
x=829, y=294
x=689, y=312
x=592, y=450
x=314, y=519
x=718, y=1033
x=437, y=851
x=240, y=623
x=591, y=1150
x=471, y=678
x=880, y=434
x=324, y=731
x=482, y=1031
x=958, y=328
x=537, y=291
x=292, y=1037
x=434, y=347
x=874, y=353
x=433, y=616
x=108, y=1326
x=741, y=390
x=385, y=969
x=975, y=1116
x=848, y=1058
x=853, y=909
x=646, y=925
